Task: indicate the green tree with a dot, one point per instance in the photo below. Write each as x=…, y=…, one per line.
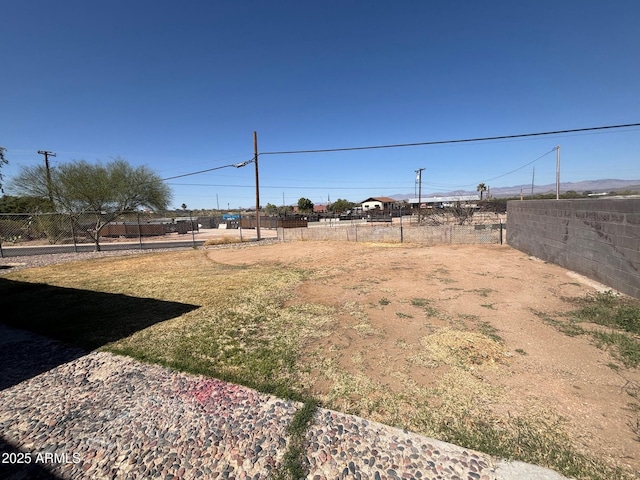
x=481, y=188
x=271, y=209
x=104, y=190
x=284, y=210
x=3, y=161
x=11, y=204
x=340, y=205
x=305, y=205
x=571, y=194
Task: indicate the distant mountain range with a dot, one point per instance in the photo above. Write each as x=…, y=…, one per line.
x=592, y=186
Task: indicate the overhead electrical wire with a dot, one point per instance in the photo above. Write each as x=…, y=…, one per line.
x=282, y=187
x=465, y=140
x=520, y=168
x=494, y=178
x=416, y=144
x=236, y=165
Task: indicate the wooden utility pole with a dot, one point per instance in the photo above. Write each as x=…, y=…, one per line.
x=419, y=180
x=533, y=179
x=48, y=154
x=255, y=160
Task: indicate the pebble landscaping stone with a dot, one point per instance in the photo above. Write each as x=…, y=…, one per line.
x=106, y=416
x=353, y=447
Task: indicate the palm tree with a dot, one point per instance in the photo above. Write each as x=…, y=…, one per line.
x=481, y=188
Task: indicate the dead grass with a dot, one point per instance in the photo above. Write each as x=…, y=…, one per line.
x=250, y=328
x=225, y=240
x=464, y=349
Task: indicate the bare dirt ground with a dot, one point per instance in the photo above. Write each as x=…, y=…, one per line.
x=401, y=310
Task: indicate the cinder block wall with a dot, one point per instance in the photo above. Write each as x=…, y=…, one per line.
x=598, y=238
x=448, y=234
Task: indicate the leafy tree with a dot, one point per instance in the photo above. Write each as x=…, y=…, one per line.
x=11, y=204
x=571, y=194
x=305, y=205
x=340, y=205
x=481, y=188
x=3, y=161
x=271, y=209
x=103, y=190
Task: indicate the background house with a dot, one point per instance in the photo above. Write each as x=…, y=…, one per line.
x=380, y=203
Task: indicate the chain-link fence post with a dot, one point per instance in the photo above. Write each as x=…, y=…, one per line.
x=73, y=233
x=139, y=229
x=193, y=233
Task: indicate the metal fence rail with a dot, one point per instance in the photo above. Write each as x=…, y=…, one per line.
x=42, y=233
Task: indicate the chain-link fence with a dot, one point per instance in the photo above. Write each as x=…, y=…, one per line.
x=489, y=233
x=41, y=233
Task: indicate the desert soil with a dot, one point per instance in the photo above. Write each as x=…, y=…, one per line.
x=389, y=300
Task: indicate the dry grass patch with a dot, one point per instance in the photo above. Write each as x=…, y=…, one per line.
x=464, y=349
x=241, y=331
x=225, y=240
x=290, y=327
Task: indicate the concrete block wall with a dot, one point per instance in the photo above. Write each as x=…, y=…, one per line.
x=447, y=234
x=598, y=238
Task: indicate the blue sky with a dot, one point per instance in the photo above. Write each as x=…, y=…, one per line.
x=182, y=86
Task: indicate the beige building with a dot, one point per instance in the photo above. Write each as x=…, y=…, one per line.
x=381, y=203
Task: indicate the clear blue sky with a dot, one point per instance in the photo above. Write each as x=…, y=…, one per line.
x=181, y=87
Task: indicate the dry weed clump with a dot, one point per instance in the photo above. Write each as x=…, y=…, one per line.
x=222, y=241
x=464, y=349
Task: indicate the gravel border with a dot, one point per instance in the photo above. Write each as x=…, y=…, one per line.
x=12, y=264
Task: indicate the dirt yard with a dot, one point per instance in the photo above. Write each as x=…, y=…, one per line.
x=463, y=324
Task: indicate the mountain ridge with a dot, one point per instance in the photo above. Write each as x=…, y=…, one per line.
x=605, y=185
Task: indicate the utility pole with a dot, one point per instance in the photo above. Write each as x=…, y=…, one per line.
x=558, y=172
x=255, y=160
x=48, y=154
x=419, y=180
x=533, y=178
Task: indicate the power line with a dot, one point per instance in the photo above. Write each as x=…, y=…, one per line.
x=236, y=165
x=466, y=140
x=520, y=168
x=286, y=187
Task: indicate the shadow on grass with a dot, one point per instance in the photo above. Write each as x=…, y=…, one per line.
x=81, y=319
x=44, y=326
